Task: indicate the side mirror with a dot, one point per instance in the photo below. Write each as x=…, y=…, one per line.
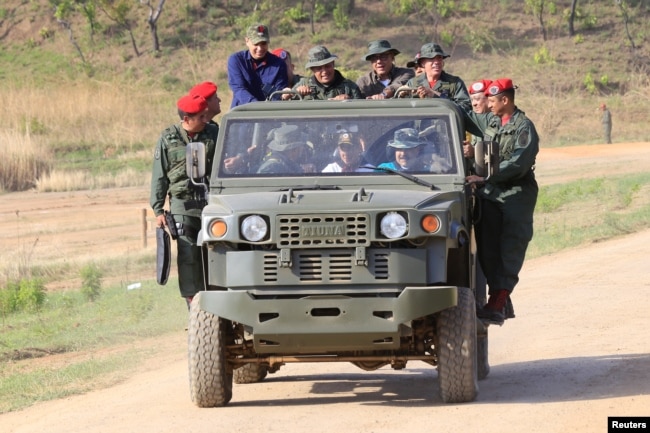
x=195, y=161
x=486, y=157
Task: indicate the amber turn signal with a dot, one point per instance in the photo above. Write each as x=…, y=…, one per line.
x=430, y=223
x=218, y=228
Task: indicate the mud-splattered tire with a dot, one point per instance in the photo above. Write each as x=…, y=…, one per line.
x=250, y=373
x=210, y=375
x=456, y=349
x=483, y=366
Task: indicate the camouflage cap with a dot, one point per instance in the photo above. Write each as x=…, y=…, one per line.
x=379, y=47
x=287, y=137
x=257, y=33
x=318, y=56
x=431, y=50
x=405, y=138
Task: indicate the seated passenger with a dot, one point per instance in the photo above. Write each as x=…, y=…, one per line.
x=407, y=147
x=348, y=155
x=289, y=150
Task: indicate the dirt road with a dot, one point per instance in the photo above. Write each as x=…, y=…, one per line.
x=578, y=351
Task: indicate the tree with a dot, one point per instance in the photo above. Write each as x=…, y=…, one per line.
x=63, y=9
x=536, y=7
x=152, y=20
x=119, y=11
x=624, y=7
x=574, y=4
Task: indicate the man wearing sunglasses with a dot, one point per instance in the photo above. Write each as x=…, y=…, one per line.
x=506, y=199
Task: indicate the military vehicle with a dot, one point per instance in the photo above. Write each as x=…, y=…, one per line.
x=369, y=264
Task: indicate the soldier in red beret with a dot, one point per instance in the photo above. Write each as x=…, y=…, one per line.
x=208, y=91
x=169, y=179
x=479, y=105
x=507, y=199
x=285, y=55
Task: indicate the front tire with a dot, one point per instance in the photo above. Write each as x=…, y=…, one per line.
x=210, y=375
x=456, y=350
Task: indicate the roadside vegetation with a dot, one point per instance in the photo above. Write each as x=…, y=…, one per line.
x=86, y=96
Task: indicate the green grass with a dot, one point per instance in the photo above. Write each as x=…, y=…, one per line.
x=69, y=323
x=589, y=210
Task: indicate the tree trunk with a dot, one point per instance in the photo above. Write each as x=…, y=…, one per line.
x=574, y=4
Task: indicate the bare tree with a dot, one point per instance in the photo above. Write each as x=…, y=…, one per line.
x=622, y=4
x=62, y=12
x=574, y=4
x=118, y=11
x=152, y=20
x=537, y=9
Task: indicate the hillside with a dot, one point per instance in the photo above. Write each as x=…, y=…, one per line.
x=562, y=80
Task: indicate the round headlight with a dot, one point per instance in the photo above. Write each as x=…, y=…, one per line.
x=393, y=225
x=254, y=228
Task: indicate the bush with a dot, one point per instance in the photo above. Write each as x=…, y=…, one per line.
x=91, y=284
x=23, y=295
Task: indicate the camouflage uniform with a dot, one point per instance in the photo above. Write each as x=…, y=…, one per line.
x=507, y=201
x=169, y=179
x=449, y=86
x=369, y=84
x=339, y=86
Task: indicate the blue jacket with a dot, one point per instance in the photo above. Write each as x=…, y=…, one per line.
x=249, y=84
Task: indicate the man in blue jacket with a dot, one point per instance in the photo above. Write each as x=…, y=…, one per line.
x=255, y=73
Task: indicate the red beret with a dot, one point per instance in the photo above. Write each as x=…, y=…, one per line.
x=281, y=53
x=479, y=86
x=192, y=104
x=206, y=90
x=498, y=86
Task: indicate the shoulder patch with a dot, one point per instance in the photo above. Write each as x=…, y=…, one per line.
x=156, y=154
x=522, y=141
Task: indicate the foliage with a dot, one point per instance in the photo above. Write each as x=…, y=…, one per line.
x=91, y=284
x=24, y=295
x=543, y=56
x=589, y=83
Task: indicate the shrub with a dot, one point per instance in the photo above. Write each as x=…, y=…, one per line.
x=91, y=284
x=31, y=295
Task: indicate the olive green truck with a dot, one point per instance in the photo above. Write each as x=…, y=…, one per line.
x=371, y=263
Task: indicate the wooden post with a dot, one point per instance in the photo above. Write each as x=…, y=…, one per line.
x=144, y=227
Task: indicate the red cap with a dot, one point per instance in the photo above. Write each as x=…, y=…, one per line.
x=206, y=90
x=281, y=53
x=498, y=86
x=192, y=104
x=479, y=86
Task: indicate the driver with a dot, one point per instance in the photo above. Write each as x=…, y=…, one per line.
x=289, y=149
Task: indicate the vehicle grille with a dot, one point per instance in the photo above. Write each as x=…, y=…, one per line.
x=322, y=231
x=327, y=266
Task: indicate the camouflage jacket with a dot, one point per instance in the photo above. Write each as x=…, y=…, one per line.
x=449, y=86
x=339, y=86
x=370, y=84
x=168, y=177
x=518, y=148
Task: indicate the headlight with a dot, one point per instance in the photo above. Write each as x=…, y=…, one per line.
x=393, y=225
x=254, y=228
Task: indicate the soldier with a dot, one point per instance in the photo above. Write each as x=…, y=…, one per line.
x=169, y=179
x=254, y=74
x=479, y=105
x=435, y=82
x=208, y=91
x=415, y=64
x=326, y=82
x=606, y=120
x=506, y=200
x=385, y=77
x=288, y=152
x=285, y=55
